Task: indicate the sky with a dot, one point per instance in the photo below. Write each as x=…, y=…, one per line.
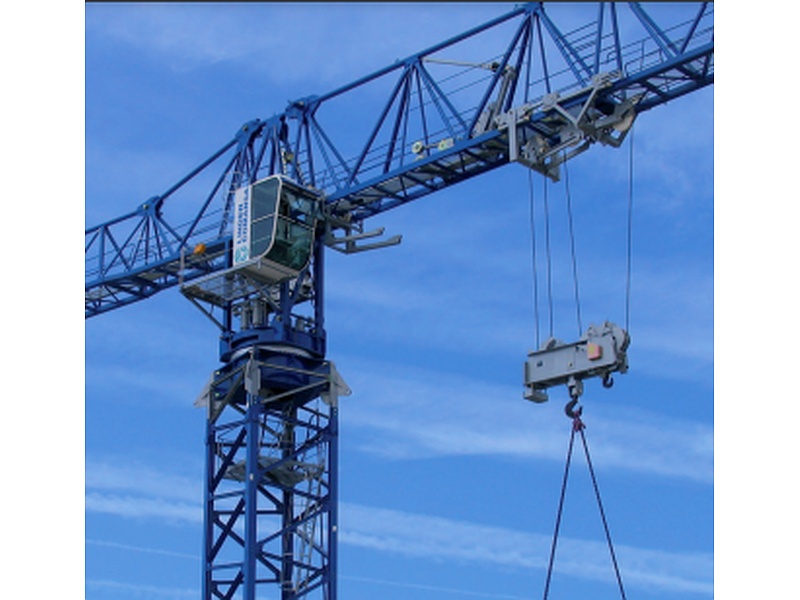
x=449, y=480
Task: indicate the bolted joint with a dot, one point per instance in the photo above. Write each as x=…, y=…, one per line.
x=248, y=131
x=152, y=206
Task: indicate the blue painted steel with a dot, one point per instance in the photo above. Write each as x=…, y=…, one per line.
x=139, y=254
x=271, y=448
x=271, y=497
x=426, y=137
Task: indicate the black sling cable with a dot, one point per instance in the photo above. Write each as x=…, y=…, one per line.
x=578, y=426
x=558, y=515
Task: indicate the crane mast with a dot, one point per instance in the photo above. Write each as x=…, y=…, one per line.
x=252, y=258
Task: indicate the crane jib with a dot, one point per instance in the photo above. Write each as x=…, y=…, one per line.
x=134, y=256
x=259, y=214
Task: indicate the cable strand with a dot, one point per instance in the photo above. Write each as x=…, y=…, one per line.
x=572, y=249
x=559, y=513
x=578, y=427
x=534, y=259
x=602, y=513
x=629, y=241
x=549, y=256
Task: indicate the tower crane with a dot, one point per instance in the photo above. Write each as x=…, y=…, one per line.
x=284, y=190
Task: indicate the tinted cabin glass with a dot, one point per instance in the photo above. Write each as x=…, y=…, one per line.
x=293, y=236
x=281, y=227
x=264, y=198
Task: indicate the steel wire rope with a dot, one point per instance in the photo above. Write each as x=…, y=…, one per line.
x=534, y=259
x=629, y=236
x=577, y=424
x=573, y=252
x=549, y=257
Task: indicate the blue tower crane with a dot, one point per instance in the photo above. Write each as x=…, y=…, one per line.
x=285, y=189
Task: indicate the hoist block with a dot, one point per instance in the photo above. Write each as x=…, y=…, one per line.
x=598, y=353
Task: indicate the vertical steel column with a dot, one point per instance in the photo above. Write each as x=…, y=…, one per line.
x=287, y=539
x=271, y=484
x=271, y=452
x=251, y=483
x=333, y=501
x=208, y=511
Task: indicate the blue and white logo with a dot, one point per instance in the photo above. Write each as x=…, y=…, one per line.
x=241, y=225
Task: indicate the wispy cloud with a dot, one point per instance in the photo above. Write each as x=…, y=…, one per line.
x=462, y=280
x=672, y=311
x=431, y=588
x=424, y=536
x=140, y=507
x=163, y=355
x=141, y=492
x=136, y=590
x=143, y=480
x=110, y=163
x=142, y=549
x=405, y=412
x=421, y=536
x=481, y=308
x=288, y=43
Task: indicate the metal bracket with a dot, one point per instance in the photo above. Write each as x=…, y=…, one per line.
x=348, y=244
x=574, y=127
x=598, y=353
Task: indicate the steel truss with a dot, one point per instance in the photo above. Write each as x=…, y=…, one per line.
x=456, y=110
x=522, y=87
x=270, y=515
x=271, y=438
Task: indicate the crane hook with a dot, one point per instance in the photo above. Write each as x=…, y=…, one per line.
x=575, y=387
x=570, y=410
x=608, y=381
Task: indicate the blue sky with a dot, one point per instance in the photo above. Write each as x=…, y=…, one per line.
x=449, y=479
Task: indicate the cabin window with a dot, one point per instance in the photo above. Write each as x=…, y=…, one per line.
x=282, y=217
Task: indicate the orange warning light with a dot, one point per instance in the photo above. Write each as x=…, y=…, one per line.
x=594, y=351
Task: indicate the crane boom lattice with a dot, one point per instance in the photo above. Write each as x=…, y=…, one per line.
x=268, y=204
